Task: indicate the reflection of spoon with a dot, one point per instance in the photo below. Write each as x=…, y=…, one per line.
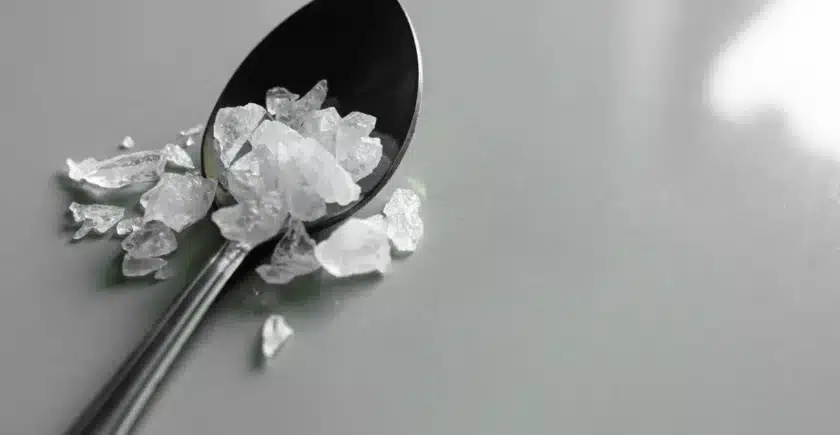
x=368, y=53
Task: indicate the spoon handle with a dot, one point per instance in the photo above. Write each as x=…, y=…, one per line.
x=118, y=405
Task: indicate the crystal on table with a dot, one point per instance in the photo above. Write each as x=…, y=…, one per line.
x=293, y=256
x=154, y=239
x=322, y=171
x=127, y=143
x=252, y=222
x=280, y=100
x=188, y=136
x=322, y=125
x=360, y=161
x=95, y=217
x=133, y=267
x=178, y=201
x=402, y=212
x=357, y=247
x=165, y=272
x=177, y=156
x=275, y=332
x=233, y=127
x=119, y=171
x=128, y=226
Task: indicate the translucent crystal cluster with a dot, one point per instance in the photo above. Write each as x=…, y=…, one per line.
x=120, y=171
x=177, y=156
x=95, y=217
x=128, y=226
x=144, y=247
x=252, y=222
x=404, y=226
x=178, y=200
x=233, y=127
x=293, y=256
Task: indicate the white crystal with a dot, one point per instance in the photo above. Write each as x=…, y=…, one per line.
x=177, y=156
x=178, y=200
x=252, y=222
x=119, y=171
x=351, y=130
x=280, y=100
x=363, y=159
x=128, y=226
x=322, y=171
x=233, y=127
x=275, y=332
x=405, y=228
x=133, y=267
x=95, y=217
x=154, y=239
x=293, y=256
x=293, y=114
x=188, y=142
x=356, y=247
x=127, y=143
x=322, y=125
x=164, y=273
x=187, y=137
x=379, y=221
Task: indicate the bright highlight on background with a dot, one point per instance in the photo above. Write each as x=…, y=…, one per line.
x=787, y=59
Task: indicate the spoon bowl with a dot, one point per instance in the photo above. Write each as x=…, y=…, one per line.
x=369, y=55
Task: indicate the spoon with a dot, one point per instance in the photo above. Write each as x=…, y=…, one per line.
x=368, y=52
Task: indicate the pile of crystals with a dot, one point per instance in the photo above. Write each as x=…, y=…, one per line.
x=283, y=164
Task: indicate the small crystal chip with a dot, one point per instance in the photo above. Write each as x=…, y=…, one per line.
x=280, y=101
x=128, y=226
x=233, y=127
x=177, y=156
x=188, y=136
x=96, y=217
x=363, y=159
x=178, y=200
x=154, y=239
x=133, y=267
x=252, y=222
x=119, y=171
x=164, y=273
x=322, y=171
x=405, y=228
x=127, y=143
x=351, y=129
x=293, y=256
x=358, y=246
x=322, y=125
x=275, y=332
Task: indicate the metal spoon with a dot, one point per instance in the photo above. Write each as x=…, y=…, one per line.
x=368, y=52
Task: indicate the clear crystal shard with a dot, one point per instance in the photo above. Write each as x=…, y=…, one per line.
x=127, y=143
x=177, y=156
x=280, y=101
x=128, y=226
x=252, y=222
x=275, y=332
x=133, y=267
x=357, y=247
x=350, y=131
x=233, y=127
x=405, y=228
x=322, y=171
x=293, y=115
x=178, y=200
x=119, y=171
x=293, y=256
x=188, y=137
x=154, y=239
x=165, y=272
x=360, y=161
x=95, y=217
x=322, y=125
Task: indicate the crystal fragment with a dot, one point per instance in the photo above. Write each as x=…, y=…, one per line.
x=188, y=136
x=322, y=125
x=351, y=130
x=177, y=156
x=275, y=332
x=188, y=142
x=133, y=267
x=128, y=226
x=252, y=222
x=95, y=217
x=363, y=158
x=127, y=143
x=405, y=228
x=280, y=100
x=119, y=171
x=293, y=256
x=233, y=127
x=358, y=246
x=379, y=221
x=164, y=273
x=178, y=200
x=322, y=171
x=154, y=239
x=293, y=114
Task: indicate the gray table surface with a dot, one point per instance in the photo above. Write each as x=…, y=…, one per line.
x=604, y=254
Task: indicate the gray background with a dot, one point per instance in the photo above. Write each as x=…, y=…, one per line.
x=603, y=254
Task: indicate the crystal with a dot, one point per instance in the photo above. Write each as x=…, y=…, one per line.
x=128, y=226
x=132, y=267
x=293, y=256
x=96, y=217
x=119, y=171
x=275, y=332
x=164, y=273
x=275, y=135
x=363, y=158
x=252, y=222
x=305, y=204
x=188, y=142
x=127, y=143
x=322, y=125
x=379, y=221
x=293, y=115
x=177, y=156
x=350, y=131
x=358, y=246
x=154, y=239
x=178, y=200
x=233, y=127
x=280, y=100
x=321, y=170
x=188, y=136
x=405, y=228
